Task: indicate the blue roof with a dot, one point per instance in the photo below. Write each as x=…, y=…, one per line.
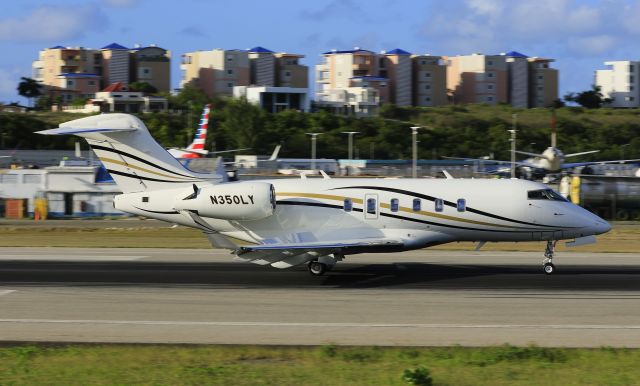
x=57, y=47
x=114, y=46
x=398, y=51
x=260, y=49
x=77, y=75
x=515, y=54
x=369, y=77
x=344, y=52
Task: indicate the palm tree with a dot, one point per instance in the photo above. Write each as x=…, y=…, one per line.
x=29, y=88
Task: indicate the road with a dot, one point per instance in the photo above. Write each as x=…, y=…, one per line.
x=421, y=298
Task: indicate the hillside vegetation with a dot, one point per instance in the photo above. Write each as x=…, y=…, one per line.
x=469, y=131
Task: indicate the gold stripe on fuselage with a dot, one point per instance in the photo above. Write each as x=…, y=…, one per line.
x=117, y=162
x=387, y=206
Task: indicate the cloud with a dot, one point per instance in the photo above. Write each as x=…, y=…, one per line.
x=49, y=23
x=335, y=9
x=491, y=26
x=122, y=3
x=194, y=31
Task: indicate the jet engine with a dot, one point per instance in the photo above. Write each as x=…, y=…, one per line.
x=231, y=201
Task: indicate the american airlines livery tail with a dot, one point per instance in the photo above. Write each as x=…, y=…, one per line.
x=196, y=148
x=288, y=222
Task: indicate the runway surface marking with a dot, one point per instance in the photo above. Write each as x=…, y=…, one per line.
x=47, y=257
x=344, y=325
x=6, y=292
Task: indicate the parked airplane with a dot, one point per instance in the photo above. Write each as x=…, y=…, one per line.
x=196, y=148
x=285, y=222
x=550, y=161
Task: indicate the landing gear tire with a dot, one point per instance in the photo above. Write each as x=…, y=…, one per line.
x=549, y=268
x=317, y=268
x=547, y=264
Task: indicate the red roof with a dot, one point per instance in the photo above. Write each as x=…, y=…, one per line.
x=113, y=87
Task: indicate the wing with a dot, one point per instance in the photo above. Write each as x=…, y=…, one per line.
x=576, y=164
x=291, y=254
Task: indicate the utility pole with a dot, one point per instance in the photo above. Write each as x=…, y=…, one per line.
x=350, y=133
x=314, y=137
x=414, y=134
x=513, y=145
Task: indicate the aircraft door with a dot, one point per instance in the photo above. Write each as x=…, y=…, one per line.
x=371, y=206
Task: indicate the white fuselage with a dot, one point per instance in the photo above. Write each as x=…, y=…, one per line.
x=308, y=209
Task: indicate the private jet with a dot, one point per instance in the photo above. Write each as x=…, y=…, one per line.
x=320, y=221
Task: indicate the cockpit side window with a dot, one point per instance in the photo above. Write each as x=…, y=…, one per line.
x=545, y=194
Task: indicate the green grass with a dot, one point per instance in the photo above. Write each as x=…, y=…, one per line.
x=624, y=237
x=327, y=365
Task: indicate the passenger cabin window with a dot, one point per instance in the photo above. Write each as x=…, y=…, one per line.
x=371, y=206
x=417, y=205
x=439, y=203
x=545, y=194
x=462, y=205
x=395, y=204
x=145, y=199
x=348, y=205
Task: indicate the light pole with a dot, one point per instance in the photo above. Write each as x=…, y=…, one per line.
x=351, y=133
x=314, y=137
x=414, y=134
x=622, y=148
x=513, y=145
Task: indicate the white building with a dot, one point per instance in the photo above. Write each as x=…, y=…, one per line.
x=620, y=82
x=275, y=99
x=78, y=191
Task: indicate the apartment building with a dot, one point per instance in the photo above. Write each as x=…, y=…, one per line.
x=543, y=82
x=394, y=76
x=218, y=71
x=620, y=82
x=429, y=81
x=511, y=77
x=477, y=78
x=78, y=72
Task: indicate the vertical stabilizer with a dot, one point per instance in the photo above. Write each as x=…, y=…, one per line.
x=130, y=154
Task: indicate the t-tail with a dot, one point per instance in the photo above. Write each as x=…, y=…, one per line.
x=130, y=154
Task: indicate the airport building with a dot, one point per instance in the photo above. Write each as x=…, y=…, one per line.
x=78, y=72
x=275, y=80
x=620, y=82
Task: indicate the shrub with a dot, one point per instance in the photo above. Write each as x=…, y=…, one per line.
x=420, y=376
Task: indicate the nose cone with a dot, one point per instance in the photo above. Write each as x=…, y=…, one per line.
x=601, y=227
x=597, y=225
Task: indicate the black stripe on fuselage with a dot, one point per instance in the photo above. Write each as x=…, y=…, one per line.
x=139, y=159
x=155, y=211
x=448, y=203
x=317, y=204
x=149, y=178
x=398, y=217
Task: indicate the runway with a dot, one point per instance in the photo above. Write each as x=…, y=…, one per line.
x=422, y=298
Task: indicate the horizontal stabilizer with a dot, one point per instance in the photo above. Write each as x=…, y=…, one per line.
x=80, y=130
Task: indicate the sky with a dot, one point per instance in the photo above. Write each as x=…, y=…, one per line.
x=579, y=35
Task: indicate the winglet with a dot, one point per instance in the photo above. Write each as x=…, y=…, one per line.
x=447, y=174
x=324, y=175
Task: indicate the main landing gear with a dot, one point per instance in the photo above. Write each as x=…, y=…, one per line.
x=317, y=269
x=324, y=263
x=547, y=263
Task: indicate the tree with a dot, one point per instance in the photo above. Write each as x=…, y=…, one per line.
x=143, y=87
x=29, y=88
x=590, y=99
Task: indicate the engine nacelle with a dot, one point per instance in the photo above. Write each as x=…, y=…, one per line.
x=231, y=201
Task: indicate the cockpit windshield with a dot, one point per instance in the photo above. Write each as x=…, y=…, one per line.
x=545, y=194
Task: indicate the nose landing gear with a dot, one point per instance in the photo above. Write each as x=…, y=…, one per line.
x=547, y=263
